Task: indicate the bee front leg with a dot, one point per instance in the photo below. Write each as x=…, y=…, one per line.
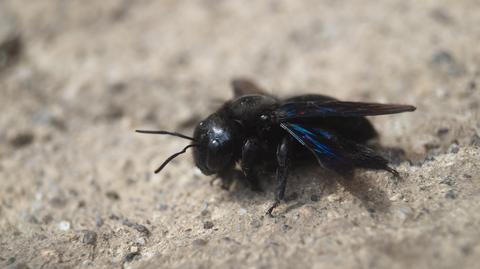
x=283, y=162
x=250, y=158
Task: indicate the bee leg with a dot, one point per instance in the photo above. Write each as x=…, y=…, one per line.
x=283, y=162
x=250, y=157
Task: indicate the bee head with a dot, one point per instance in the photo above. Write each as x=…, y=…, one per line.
x=216, y=139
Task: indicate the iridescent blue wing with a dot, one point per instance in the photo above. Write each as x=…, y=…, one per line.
x=321, y=109
x=337, y=153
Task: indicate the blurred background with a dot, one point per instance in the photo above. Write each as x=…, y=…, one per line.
x=78, y=77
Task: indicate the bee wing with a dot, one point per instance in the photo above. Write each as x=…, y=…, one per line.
x=319, y=109
x=334, y=152
x=242, y=86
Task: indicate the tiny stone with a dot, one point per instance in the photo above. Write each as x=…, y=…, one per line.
x=130, y=256
x=306, y=211
x=442, y=131
x=134, y=249
x=11, y=43
x=113, y=112
x=472, y=85
x=32, y=219
x=242, y=211
x=141, y=241
x=112, y=195
x=450, y=194
x=396, y=197
x=199, y=242
x=139, y=227
x=99, y=221
x=454, y=148
x=81, y=204
x=402, y=212
x=10, y=260
x=444, y=62
x=333, y=198
x=117, y=87
x=89, y=237
x=21, y=139
x=475, y=141
x=441, y=16
x=204, y=212
x=162, y=207
x=447, y=181
x=19, y=266
x=256, y=223
x=47, y=219
x=208, y=225
x=58, y=202
x=314, y=198
x=64, y=225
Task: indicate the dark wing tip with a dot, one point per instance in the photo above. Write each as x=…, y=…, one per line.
x=245, y=86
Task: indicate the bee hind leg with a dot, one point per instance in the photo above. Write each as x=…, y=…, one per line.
x=283, y=163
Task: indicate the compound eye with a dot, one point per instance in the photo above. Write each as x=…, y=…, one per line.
x=264, y=117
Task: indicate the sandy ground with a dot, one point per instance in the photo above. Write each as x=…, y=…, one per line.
x=77, y=188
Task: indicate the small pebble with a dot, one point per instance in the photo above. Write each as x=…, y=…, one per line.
x=199, y=242
x=139, y=227
x=454, y=148
x=401, y=212
x=47, y=219
x=314, y=198
x=450, y=194
x=447, y=181
x=396, y=197
x=130, y=256
x=141, y=241
x=64, y=225
x=11, y=44
x=442, y=132
x=242, y=211
x=475, y=141
x=10, y=260
x=89, y=237
x=208, y=225
x=21, y=139
x=333, y=197
x=112, y=112
x=444, y=62
x=98, y=221
x=112, y=195
x=285, y=227
x=256, y=223
x=58, y=202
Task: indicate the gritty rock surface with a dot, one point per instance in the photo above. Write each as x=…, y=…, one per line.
x=77, y=184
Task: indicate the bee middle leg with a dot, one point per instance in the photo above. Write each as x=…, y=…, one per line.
x=283, y=163
x=251, y=152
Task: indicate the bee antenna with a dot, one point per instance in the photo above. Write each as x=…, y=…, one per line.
x=173, y=157
x=165, y=133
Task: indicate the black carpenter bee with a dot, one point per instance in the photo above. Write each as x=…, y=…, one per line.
x=255, y=129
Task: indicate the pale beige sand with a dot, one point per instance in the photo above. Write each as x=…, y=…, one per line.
x=77, y=188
